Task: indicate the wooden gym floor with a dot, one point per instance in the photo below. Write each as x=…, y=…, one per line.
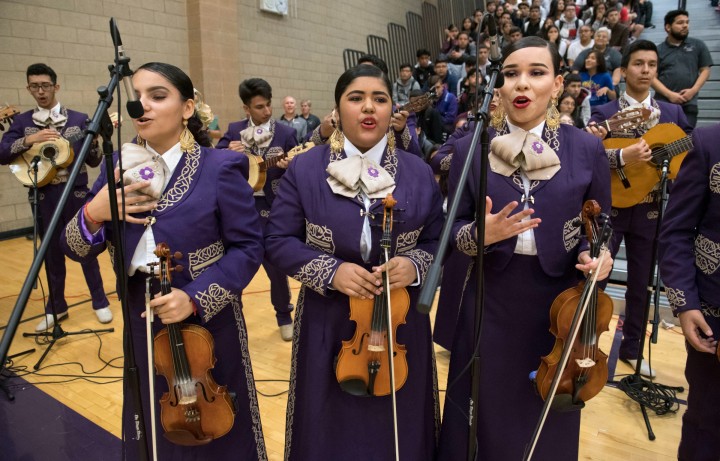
x=612, y=424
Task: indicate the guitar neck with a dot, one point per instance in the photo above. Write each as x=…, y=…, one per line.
x=271, y=162
x=674, y=148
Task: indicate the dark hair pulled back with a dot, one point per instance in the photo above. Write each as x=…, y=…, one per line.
x=184, y=85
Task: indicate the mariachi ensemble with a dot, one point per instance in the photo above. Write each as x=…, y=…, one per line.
x=354, y=212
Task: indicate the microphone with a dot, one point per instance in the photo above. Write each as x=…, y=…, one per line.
x=34, y=162
x=133, y=106
x=495, y=55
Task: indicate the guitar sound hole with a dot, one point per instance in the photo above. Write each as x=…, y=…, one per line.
x=49, y=152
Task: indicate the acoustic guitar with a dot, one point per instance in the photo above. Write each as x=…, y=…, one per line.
x=6, y=115
x=257, y=171
x=635, y=180
x=419, y=103
x=48, y=155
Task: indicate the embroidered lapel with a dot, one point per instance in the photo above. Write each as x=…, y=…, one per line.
x=182, y=181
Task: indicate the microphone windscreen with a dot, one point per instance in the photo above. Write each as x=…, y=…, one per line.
x=135, y=109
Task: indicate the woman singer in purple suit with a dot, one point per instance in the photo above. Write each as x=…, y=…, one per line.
x=324, y=231
x=181, y=191
x=541, y=173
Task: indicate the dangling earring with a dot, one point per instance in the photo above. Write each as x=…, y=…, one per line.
x=139, y=140
x=552, y=116
x=187, y=140
x=497, y=119
x=391, y=139
x=337, y=140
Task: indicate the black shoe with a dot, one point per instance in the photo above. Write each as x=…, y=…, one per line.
x=650, y=26
x=29, y=236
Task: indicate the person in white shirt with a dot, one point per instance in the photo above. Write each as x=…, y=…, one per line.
x=586, y=41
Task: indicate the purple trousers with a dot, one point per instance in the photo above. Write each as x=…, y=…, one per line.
x=279, y=288
x=637, y=226
x=48, y=197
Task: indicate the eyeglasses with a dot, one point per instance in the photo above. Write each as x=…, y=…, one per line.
x=35, y=87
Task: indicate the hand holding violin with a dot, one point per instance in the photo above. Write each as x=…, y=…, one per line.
x=173, y=307
x=353, y=280
x=587, y=264
x=401, y=271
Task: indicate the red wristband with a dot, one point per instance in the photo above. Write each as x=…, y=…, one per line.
x=87, y=215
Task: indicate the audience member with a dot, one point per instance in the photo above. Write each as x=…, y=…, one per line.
x=313, y=121
x=613, y=58
x=404, y=84
x=291, y=119
x=442, y=71
x=446, y=104
x=573, y=86
x=684, y=65
x=619, y=33
x=423, y=69
x=585, y=42
x=595, y=77
x=533, y=24
x=429, y=120
x=568, y=25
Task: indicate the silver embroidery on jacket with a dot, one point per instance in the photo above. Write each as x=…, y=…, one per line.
x=676, y=297
x=249, y=381
x=319, y=237
x=74, y=238
x=707, y=254
x=422, y=260
x=406, y=241
x=715, y=178
x=201, y=259
x=182, y=184
x=214, y=299
x=571, y=234
x=465, y=241
x=315, y=273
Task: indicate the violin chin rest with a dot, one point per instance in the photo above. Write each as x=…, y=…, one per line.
x=187, y=438
x=356, y=387
x=564, y=403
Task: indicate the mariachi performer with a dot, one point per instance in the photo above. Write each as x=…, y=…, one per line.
x=260, y=136
x=637, y=224
x=324, y=231
x=48, y=122
x=689, y=243
x=541, y=174
x=187, y=195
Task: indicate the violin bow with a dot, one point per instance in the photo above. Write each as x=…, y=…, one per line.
x=389, y=202
x=574, y=329
x=149, y=317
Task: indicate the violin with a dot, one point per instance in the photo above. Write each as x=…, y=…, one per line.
x=576, y=369
x=363, y=366
x=196, y=410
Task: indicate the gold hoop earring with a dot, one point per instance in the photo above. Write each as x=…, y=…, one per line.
x=187, y=140
x=337, y=141
x=552, y=115
x=391, y=139
x=497, y=119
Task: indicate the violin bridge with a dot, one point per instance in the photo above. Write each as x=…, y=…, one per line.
x=372, y=348
x=586, y=362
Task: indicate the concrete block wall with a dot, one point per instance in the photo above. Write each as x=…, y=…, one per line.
x=218, y=42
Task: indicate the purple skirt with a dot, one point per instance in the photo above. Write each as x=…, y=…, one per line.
x=516, y=320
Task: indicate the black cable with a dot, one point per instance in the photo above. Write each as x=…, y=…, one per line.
x=272, y=381
x=658, y=398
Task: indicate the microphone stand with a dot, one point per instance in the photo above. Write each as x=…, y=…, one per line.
x=427, y=294
x=34, y=168
x=57, y=331
x=659, y=397
x=131, y=374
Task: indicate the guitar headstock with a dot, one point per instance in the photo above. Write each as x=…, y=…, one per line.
x=7, y=112
x=420, y=103
x=629, y=118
